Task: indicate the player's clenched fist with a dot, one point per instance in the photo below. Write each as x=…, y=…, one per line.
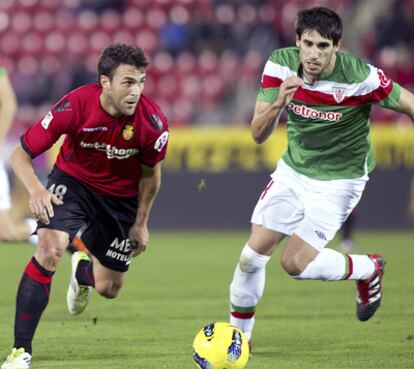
x=287, y=90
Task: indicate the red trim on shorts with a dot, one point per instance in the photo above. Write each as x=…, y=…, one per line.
x=266, y=189
x=350, y=266
x=34, y=273
x=236, y=314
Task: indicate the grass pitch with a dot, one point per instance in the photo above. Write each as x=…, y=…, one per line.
x=181, y=284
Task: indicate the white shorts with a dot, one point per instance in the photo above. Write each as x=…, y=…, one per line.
x=5, y=202
x=312, y=209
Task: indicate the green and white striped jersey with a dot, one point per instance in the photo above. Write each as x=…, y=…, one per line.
x=328, y=121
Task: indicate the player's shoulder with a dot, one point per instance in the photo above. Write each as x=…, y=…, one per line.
x=286, y=57
x=85, y=92
x=352, y=69
x=81, y=96
x=151, y=114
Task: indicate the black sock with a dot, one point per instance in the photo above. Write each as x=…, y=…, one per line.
x=84, y=273
x=31, y=301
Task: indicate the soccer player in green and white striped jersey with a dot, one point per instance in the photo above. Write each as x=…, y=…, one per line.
x=320, y=178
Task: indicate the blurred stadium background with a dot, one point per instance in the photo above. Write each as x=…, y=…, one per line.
x=206, y=61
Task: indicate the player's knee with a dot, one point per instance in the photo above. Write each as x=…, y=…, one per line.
x=292, y=264
x=109, y=289
x=49, y=251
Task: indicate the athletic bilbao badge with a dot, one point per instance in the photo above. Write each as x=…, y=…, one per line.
x=128, y=132
x=339, y=93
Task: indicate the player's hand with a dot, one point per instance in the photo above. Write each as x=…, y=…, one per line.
x=138, y=236
x=41, y=204
x=287, y=90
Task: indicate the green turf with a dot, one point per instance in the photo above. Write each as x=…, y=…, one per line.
x=181, y=283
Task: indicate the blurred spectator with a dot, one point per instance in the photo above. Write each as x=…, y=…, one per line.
x=209, y=47
x=397, y=23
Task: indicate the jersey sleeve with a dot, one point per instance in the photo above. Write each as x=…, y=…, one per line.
x=270, y=83
x=281, y=65
x=61, y=119
x=391, y=101
x=378, y=88
x=156, y=141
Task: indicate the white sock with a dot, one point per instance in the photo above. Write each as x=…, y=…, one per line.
x=362, y=267
x=331, y=265
x=247, y=288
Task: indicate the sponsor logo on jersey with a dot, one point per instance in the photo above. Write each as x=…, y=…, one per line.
x=46, y=120
x=161, y=141
x=128, y=132
x=384, y=80
x=63, y=107
x=339, y=93
x=112, y=152
x=156, y=122
x=307, y=112
x=94, y=129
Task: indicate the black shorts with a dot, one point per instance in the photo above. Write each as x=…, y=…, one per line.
x=102, y=221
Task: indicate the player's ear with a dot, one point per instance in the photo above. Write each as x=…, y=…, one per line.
x=337, y=46
x=297, y=41
x=104, y=81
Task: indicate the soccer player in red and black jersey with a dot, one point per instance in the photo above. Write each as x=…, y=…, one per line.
x=102, y=186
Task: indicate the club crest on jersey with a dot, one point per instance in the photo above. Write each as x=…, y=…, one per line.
x=128, y=132
x=339, y=93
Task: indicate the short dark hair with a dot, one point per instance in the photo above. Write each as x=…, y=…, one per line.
x=321, y=19
x=115, y=54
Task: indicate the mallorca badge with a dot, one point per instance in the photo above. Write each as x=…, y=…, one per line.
x=128, y=132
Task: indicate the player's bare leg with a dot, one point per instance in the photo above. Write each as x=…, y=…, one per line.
x=108, y=282
x=248, y=282
x=88, y=274
x=302, y=261
x=33, y=294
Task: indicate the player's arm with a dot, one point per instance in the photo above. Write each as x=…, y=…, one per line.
x=8, y=105
x=40, y=198
x=405, y=103
x=39, y=138
x=148, y=188
x=266, y=115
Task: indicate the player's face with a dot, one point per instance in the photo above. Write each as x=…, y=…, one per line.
x=317, y=53
x=122, y=93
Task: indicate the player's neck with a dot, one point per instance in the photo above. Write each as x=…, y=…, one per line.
x=107, y=105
